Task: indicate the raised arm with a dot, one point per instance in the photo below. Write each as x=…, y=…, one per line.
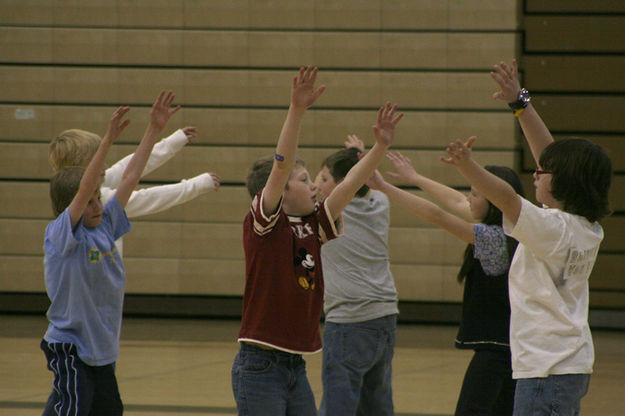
x=384, y=131
x=162, y=152
x=427, y=210
x=354, y=142
x=303, y=95
x=452, y=200
x=494, y=189
x=159, y=115
x=535, y=131
x=91, y=178
x=160, y=198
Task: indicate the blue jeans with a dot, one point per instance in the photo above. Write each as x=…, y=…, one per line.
x=554, y=395
x=357, y=367
x=271, y=383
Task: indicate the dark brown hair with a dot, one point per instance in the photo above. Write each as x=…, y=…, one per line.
x=493, y=217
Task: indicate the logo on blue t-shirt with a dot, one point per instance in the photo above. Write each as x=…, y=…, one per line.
x=94, y=255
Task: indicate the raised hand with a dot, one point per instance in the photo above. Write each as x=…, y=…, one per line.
x=355, y=142
x=116, y=126
x=190, y=132
x=303, y=92
x=405, y=171
x=162, y=111
x=508, y=80
x=459, y=152
x=384, y=129
x=375, y=181
x=216, y=180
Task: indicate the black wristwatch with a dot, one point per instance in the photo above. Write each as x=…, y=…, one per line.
x=522, y=100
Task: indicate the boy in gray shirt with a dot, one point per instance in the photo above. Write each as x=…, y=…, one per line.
x=360, y=299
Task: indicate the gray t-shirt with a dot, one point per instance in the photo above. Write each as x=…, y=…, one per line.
x=359, y=285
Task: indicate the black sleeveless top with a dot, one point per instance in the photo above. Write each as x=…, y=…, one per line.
x=485, y=322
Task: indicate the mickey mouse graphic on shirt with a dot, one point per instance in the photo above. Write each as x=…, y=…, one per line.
x=307, y=261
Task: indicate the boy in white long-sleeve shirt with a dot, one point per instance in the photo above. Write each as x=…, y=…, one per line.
x=76, y=147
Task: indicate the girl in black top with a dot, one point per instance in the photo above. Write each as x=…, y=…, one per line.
x=488, y=387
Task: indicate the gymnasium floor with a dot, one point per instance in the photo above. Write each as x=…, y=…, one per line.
x=182, y=367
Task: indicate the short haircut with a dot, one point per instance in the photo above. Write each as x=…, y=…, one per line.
x=64, y=187
x=259, y=173
x=581, y=173
x=72, y=148
x=339, y=163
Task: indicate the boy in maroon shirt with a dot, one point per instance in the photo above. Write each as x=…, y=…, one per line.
x=282, y=237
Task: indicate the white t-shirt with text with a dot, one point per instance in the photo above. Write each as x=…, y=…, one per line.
x=548, y=284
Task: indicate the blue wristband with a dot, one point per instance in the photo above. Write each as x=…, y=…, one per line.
x=278, y=157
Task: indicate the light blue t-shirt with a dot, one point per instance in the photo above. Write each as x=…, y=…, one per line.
x=85, y=281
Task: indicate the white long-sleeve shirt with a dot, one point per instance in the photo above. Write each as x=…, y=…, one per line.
x=157, y=198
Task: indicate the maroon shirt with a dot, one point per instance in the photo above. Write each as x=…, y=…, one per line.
x=283, y=277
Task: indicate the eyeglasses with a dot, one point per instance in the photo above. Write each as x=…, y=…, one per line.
x=539, y=172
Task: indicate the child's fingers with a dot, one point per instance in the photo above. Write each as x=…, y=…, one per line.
x=380, y=113
x=175, y=110
x=169, y=99
x=159, y=99
x=121, y=111
x=313, y=74
x=470, y=141
x=216, y=180
x=319, y=91
x=506, y=69
x=388, y=110
x=498, y=79
x=300, y=75
x=397, y=118
x=447, y=160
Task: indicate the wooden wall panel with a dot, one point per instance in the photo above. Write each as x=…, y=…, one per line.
x=77, y=85
x=574, y=73
x=67, y=64
x=30, y=161
x=274, y=14
x=574, y=6
x=232, y=126
x=586, y=34
x=193, y=48
x=222, y=241
x=30, y=200
x=582, y=113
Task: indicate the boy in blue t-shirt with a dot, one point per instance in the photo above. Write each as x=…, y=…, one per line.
x=85, y=275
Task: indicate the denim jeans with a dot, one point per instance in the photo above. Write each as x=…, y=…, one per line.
x=357, y=366
x=271, y=383
x=554, y=395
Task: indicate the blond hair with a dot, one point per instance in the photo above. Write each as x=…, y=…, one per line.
x=64, y=186
x=72, y=147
